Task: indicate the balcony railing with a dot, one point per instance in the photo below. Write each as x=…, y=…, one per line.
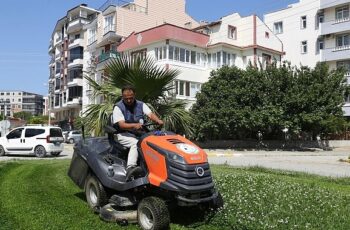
x=341, y=48
x=59, y=38
x=335, y=26
x=107, y=55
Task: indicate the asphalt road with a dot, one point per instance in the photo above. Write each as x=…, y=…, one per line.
x=324, y=163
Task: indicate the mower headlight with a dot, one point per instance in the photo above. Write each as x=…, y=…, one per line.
x=170, y=155
x=175, y=157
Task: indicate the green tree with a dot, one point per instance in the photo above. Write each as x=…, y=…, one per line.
x=39, y=120
x=23, y=115
x=153, y=86
x=237, y=104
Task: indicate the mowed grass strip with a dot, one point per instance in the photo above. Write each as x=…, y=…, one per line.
x=40, y=195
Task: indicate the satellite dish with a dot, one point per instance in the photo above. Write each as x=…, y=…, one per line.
x=5, y=124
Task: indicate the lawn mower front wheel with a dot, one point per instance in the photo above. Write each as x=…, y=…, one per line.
x=153, y=214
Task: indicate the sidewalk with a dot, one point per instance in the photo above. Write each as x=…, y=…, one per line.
x=324, y=163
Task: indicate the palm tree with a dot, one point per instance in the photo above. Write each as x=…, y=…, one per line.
x=153, y=86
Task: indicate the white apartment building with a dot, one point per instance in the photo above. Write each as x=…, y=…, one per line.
x=66, y=66
x=115, y=22
x=20, y=101
x=233, y=41
x=315, y=31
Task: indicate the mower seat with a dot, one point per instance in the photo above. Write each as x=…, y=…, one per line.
x=116, y=148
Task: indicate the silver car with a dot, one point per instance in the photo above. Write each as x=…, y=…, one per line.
x=73, y=136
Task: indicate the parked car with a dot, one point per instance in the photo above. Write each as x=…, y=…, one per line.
x=72, y=136
x=37, y=140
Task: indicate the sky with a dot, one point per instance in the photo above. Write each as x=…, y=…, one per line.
x=26, y=28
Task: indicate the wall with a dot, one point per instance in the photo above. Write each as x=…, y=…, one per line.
x=293, y=35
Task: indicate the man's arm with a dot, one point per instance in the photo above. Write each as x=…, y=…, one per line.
x=151, y=115
x=155, y=118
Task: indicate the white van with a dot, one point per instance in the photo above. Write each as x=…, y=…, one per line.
x=37, y=140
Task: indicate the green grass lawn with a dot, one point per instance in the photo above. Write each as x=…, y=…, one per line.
x=40, y=195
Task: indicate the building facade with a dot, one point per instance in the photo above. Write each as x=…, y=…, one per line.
x=232, y=41
x=66, y=66
x=84, y=39
x=116, y=21
x=315, y=31
x=20, y=101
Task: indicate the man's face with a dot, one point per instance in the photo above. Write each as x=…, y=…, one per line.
x=128, y=97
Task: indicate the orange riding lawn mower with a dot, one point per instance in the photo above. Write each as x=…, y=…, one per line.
x=175, y=173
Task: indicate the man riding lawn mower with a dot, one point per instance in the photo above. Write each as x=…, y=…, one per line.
x=172, y=171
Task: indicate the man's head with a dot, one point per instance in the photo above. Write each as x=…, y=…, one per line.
x=128, y=95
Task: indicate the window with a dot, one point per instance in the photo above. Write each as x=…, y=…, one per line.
x=278, y=27
x=171, y=52
x=188, y=56
x=320, y=19
x=160, y=53
x=182, y=54
x=33, y=132
x=304, y=47
x=193, y=57
x=342, y=40
x=108, y=24
x=232, y=32
x=344, y=64
x=55, y=132
x=303, y=22
x=342, y=13
x=77, y=36
x=19, y=99
x=320, y=45
x=15, y=134
x=91, y=36
x=218, y=59
x=266, y=59
x=139, y=53
x=76, y=53
x=186, y=88
x=195, y=88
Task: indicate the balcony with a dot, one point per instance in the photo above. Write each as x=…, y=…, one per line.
x=75, y=81
x=336, y=53
x=324, y=4
x=74, y=102
x=57, y=56
x=331, y=27
x=109, y=36
x=76, y=24
x=58, y=40
x=76, y=42
x=105, y=56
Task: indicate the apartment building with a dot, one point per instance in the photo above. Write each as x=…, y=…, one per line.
x=20, y=101
x=66, y=66
x=232, y=41
x=116, y=21
x=315, y=31
x=85, y=38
